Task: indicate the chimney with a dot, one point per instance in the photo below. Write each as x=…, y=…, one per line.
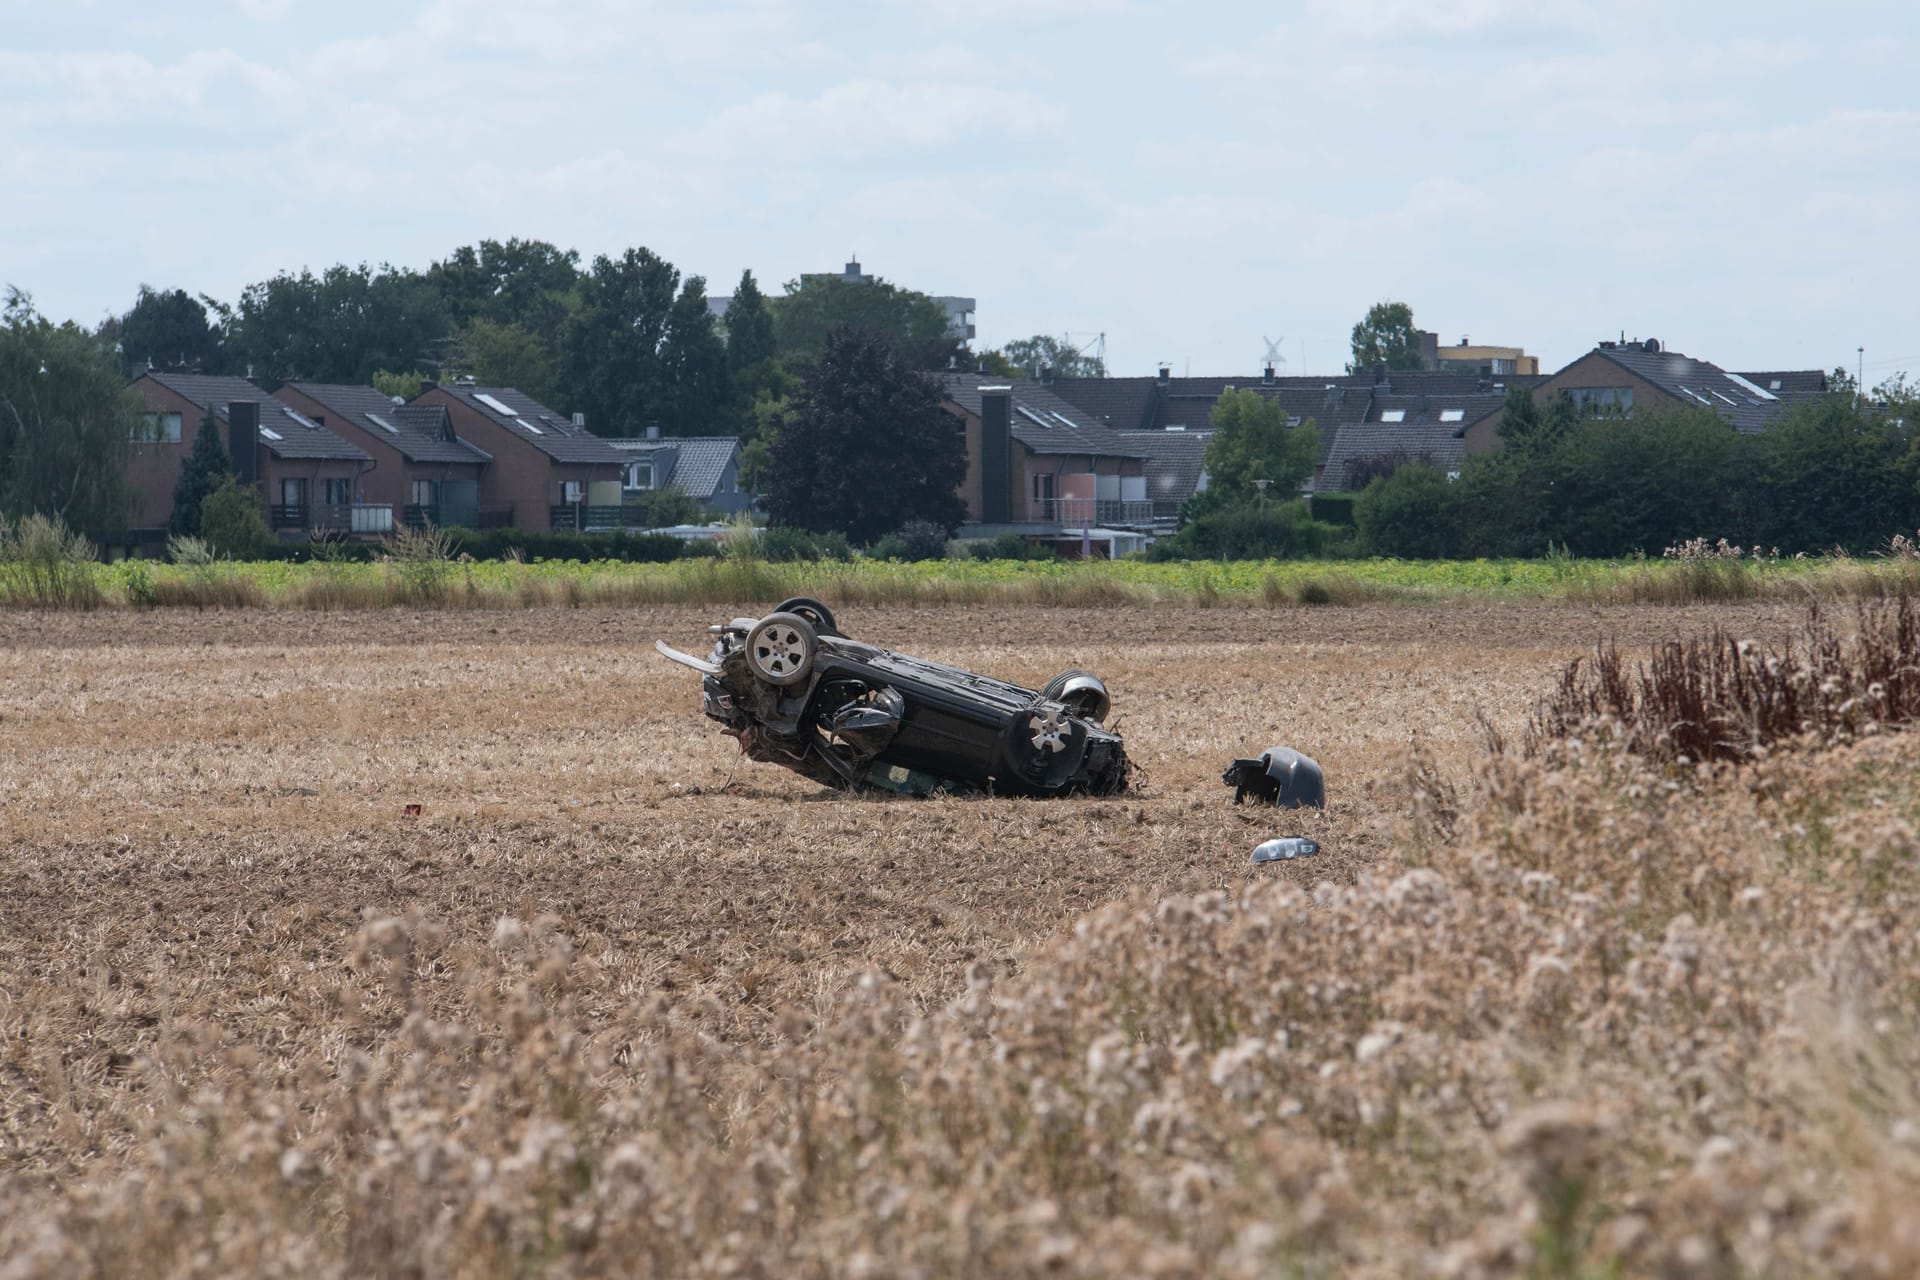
x=1165, y=376
x=996, y=455
x=1046, y=375
x=580, y=421
x=428, y=384
x=1379, y=373
x=243, y=439
x=653, y=431
x=1266, y=376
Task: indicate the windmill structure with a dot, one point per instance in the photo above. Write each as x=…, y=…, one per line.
x=1275, y=361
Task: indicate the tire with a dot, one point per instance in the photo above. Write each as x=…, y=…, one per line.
x=781, y=649
x=813, y=611
x=1082, y=692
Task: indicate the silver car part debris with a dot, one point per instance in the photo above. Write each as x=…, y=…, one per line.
x=1279, y=776
x=1285, y=849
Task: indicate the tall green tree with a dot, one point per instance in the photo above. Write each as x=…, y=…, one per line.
x=612, y=353
x=339, y=326
x=1252, y=441
x=697, y=390
x=207, y=467
x=531, y=284
x=1031, y=355
x=750, y=341
x=495, y=353
x=1386, y=336
x=913, y=323
x=866, y=446
x=170, y=329
x=66, y=418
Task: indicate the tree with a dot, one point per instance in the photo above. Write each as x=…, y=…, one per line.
x=866, y=446
x=528, y=283
x=611, y=352
x=207, y=465
x=496, y=353
x=170, y=330
x=750, y=342
x=231, y=519
x=1525, y=427
x=696, y=388
x=912, y=322
x=1252, y=441
x=1386, y=336
x=339, y=326
x=404, y=385
x=66, y=417
x=1031, y=355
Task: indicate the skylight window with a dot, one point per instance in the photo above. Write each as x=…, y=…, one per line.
x=1729, y=399
x=1394, y=415
x=383, y=424
x=498, y=406
x=300, y=418
x=1745, y=385
x=1033, y=417
x=1063, y=419
x=271, y=434
x=1453, y=415
x=529, y=426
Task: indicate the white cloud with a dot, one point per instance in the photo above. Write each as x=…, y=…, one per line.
x=1376, y=19
x=858, y=118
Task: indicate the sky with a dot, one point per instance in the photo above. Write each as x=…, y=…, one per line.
x=1191, y=180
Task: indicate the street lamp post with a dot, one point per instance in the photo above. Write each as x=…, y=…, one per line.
x=1261, y=485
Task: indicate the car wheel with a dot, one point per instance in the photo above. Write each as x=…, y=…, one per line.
x=780, y=649
x=813, y=611
x=1082, y=692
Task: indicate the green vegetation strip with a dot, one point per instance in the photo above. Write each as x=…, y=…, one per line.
x=1271, y=584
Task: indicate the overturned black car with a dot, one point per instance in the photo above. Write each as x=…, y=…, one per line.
x=848, y=714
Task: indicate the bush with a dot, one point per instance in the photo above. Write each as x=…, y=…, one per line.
x=624, y=546
x=1278, y=531
x=1413, y=513
x=45, y=565
x=915, y=540
x=785, y=544
x=1011, y=546
x=231, y=520
x=1332, y=508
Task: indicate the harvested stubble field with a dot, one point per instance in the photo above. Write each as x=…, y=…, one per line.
x=617, y=1001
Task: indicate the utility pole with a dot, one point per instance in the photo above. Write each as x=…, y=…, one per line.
x=1860, y=375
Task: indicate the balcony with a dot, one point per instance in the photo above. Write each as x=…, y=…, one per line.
x=1080, y=513
x=371, y=519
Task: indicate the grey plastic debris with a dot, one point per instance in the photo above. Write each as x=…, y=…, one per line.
x=1285, y=849
x=1280, y=776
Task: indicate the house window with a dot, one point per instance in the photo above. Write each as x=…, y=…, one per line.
x=156, y=428
x=1596, y=400
x=293, y=493
x=425, y=493
x=1043, y=488
x=640, y=475
x=570, y=492
x=339, y=493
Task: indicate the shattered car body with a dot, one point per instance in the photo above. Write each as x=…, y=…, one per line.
x=799, y=693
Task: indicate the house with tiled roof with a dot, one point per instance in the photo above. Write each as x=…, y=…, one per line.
x=309, y=476
x=1630, y=378
x=421, y=467
x=1036, y=463
x=705, y=468
x=548, y=471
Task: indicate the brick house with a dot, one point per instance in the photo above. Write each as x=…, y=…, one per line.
x=1036, y=463
x=1644, y=377
x=547, y=471
x=421, y=468
x=309, y=477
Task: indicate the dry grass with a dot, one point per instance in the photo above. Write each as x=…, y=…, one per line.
x=618, y=1003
